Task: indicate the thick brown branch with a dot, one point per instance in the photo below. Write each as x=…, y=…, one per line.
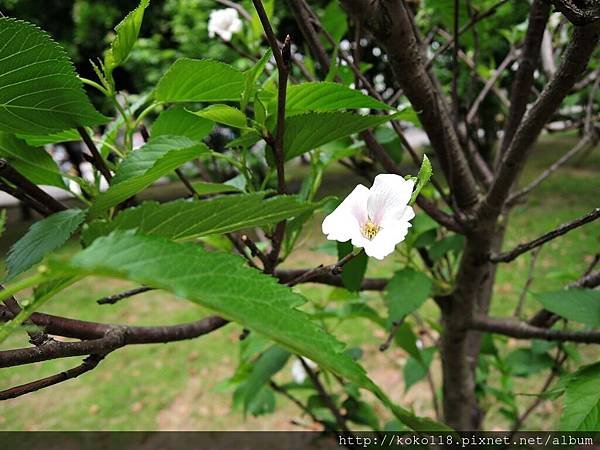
x=112, y=337
x=523, y=330
x=29, y=188
x=538, y=16
x=563, y=229
x=574, y=62
x=392, y=26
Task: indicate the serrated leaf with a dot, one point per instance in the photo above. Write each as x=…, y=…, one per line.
x=222, y=283
x=581, y=405
x=199, y=80
x=423, y=177
x=33, y=163
x=324, y=96
x=203, y=188
x=179, y=122
x=225, y=114
x=43, y=237
x=406, y=292
x=127, y=33
x=184, y=219
x=308, y=131
x=37, y=140
x=40, y=91
x=579, y=305
x=144, y=166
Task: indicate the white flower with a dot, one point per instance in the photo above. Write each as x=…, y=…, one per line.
x=225, y=23
x=375, y=219
x=298, y=372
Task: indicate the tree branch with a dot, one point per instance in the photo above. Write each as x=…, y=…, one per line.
x=392, y=26
x=523, y=330
x=538, y=17
x=88, y=364
x=587, y=141
x=102, y=337
x=97, y=159
x=574, y=62
x=562, y=229
x=29, y=188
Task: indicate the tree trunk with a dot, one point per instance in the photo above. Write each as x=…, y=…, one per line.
x=460, y=347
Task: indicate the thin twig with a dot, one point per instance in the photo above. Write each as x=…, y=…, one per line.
x=584, y=143
x=490, y=84
x=534, y=257
x=112, y=299
x=562, y=229
x=329, y=403
x=97, y=159
x=333, y=269
x=561, y=357
x=466, y=27
x=89, y=363
x=396, y=324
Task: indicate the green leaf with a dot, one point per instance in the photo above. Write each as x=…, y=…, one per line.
x=423, y=177
x=267, y=365
x=185, y=220
x=37, y=140
x=43, y=237
x=199, y=80
x=127, y=33
x=308, y=131
x=40, y=91
x=251, y=77
x=203, y=188
x=222, y=283
x=415, y=370
x=581, y=405
x=33, y=163
x=179, y=122
x=224, y=114
x=324, y=96
x=144, y=166
x=406, y=292
x=579, y=305
x=523, y=362
x=354, y=270
x=361, y=412
x=453, y=243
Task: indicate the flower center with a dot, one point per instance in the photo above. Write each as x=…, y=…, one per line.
x=370, y=230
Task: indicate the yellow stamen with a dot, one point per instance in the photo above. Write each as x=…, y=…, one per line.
x=370, y=230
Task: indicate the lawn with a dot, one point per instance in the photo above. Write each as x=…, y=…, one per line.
x=179, y=386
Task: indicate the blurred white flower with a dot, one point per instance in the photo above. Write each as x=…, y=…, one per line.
x=375, y=219
x=298, y=372
x=224, y=23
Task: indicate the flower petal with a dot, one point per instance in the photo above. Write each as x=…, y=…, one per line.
x=388, y=197
x=392, y=232
x=345, y=221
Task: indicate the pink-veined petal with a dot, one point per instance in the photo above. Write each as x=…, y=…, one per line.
x=345, y=221
x=388, y=197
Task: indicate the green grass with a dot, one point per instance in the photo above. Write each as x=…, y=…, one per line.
x=179, y=385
